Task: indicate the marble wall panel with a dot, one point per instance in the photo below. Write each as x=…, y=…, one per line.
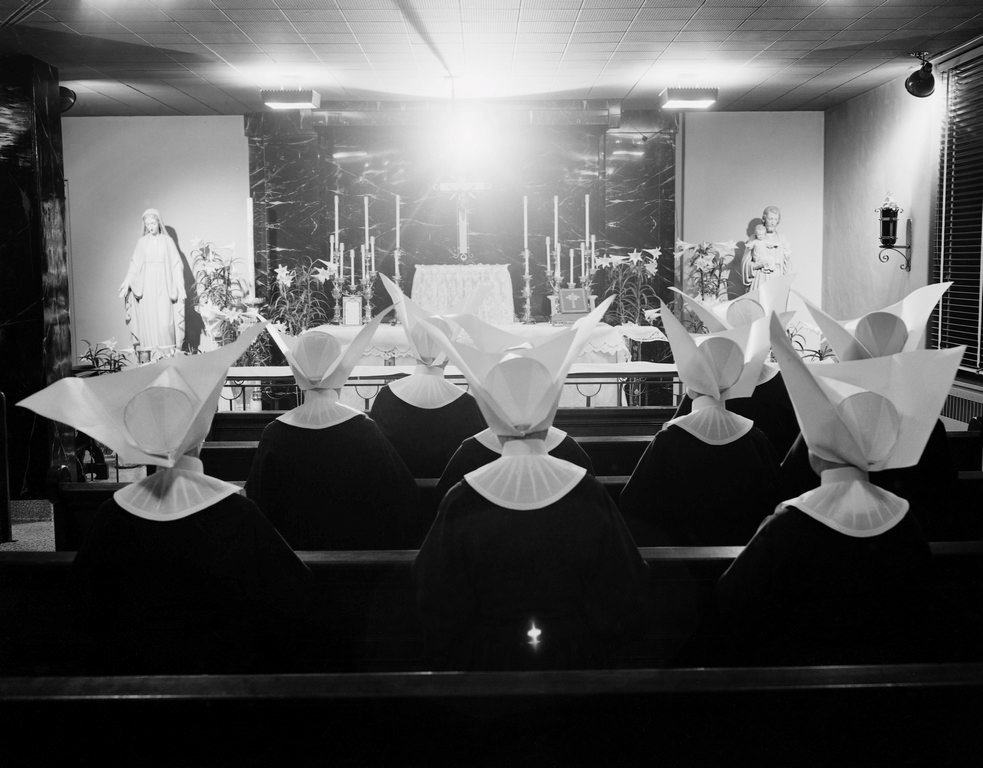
x=35, y=342
x=297, y=172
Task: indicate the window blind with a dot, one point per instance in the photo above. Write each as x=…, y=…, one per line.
x=959, y=245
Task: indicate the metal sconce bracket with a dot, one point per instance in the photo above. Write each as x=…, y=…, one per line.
x=904, y=251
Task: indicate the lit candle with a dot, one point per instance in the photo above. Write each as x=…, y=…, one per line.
x=366, y=221
x=372, y=251
x=397, y=233
x=525, y=229
x=586, y=217
x=352, y=265
x=583, y=262
x=547, y=256
x=571, y=266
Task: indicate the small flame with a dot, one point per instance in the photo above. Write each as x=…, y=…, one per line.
x=534, y=633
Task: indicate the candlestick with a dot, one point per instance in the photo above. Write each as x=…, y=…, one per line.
x=336, y=295
x=593, y=253
x=341, y=265
x=366, y=221
x=525, y=253
x=331, y=249
x=583, y=263
x=571, y=268
x=396, y=263
x=586, y=218
x=557, y=255
x=397, y=233
x=352, y=265
x=363, y=261
x=372, y=251
x=525, y=228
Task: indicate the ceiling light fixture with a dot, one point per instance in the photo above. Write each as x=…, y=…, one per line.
x=688, y=98
x=303, y=98
x=921, y=82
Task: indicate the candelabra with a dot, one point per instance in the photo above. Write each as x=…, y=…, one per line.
x=367, y=279
x=336, y=295
x=527, y=292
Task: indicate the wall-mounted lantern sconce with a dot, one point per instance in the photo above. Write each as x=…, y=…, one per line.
x=889, y=212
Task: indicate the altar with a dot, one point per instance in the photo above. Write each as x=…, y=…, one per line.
x=444, y=288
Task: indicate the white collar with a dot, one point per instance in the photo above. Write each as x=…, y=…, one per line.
x=492, y=442
x=846, y=502
x=173, y=493
x=320, y=410
x=426, y=388
x=525, y=477
x=710, y=422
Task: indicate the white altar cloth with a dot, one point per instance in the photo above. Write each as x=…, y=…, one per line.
x=443, y=288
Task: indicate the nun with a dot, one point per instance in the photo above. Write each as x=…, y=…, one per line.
x=710, y=477
x=929, y=485
x=529, y=564
x=324, y=473
x=768, y=405
x=423, y=415
x=178, y=572
x=837, y=574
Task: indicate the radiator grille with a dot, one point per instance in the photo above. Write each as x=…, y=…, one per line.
x=963, y=404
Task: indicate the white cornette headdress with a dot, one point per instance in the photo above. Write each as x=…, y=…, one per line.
x=866, y=415
x=426, y=387
x=518, y=389
x=716, y=367
x=153, y=414
x=771, y=296
x=321, y=365
x=899, y=327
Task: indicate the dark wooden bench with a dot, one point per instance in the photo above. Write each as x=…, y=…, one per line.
x=911, y=715
x=75, y=504
x=232, y=460
x=579, y=422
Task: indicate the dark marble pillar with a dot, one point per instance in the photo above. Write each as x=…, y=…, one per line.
x=35, y=343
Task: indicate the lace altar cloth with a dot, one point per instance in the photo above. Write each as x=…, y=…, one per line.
x=443, y=289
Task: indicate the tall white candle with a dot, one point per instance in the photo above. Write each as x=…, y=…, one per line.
x=547, y=256
x=366, y=221
x=583, y=262
x=558, y=254
x=571, y=267
x=556, y=220
x=337, y=234
x=363, y=262
x=525, y=254
x=586, y=218
x=593, y=253
x=341, y=266
x=525, y=229
x=396, y=262
x=372, y=251
x=331, y=249
x=397, y=233
x=352, y=265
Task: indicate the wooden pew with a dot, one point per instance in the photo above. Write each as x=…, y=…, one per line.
x=911, y=715
x=580, y=422
x=380, y=714
x=75, y=504
x=610, y=455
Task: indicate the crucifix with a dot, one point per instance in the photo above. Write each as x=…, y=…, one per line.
x=463, y=192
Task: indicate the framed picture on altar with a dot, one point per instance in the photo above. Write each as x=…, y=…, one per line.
x=574, y=301
x=351, y=310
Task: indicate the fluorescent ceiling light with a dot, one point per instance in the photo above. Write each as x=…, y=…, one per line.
x=295, y=99
x=688, y=98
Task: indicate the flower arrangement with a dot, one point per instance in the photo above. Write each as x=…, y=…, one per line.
x=706, y=267
x=221, y=294
x=798, y=332
x=104, y=357
x=631, y=279
x=300, y=300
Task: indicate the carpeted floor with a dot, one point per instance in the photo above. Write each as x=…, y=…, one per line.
x=31, y=527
